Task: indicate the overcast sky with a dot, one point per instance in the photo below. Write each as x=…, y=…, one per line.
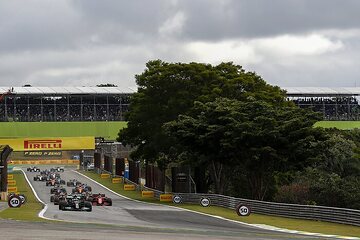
x=88, y=42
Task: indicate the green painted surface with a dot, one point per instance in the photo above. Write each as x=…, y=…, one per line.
x=338, y=124
x=108, y=130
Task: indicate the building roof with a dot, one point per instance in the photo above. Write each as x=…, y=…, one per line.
x=322, y=91
x=67, y=90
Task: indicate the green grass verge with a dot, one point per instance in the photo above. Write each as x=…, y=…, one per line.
x=344, y=125
x=27, y=212
x=281, y=222
x=108, y=130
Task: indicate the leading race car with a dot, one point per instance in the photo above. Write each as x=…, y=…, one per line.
x=33, y=169
x=75, y=203
x=99, y=200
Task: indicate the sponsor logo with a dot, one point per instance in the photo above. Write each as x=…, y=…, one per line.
x=40, y=144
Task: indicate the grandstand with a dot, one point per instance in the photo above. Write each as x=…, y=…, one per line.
x=333, y=103
x=106, y=104
x=57, y=104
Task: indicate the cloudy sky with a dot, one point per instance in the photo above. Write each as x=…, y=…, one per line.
x=88, y=42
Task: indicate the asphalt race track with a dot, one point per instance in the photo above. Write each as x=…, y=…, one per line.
x=128, y=219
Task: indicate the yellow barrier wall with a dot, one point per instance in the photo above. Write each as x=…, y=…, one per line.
x=166, y=197
x=129, y=187
x=147, y=193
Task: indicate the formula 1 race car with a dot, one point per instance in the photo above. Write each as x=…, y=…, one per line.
x=73, y=183
x=57, y=197
x=81, y=189
x=54, y=182
x=75, y=203
x=33, y=169
x=99, y=200
x=57, y=189
x=57, y=169
x=40, y=178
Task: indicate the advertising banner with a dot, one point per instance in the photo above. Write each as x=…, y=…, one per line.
x=50, y=145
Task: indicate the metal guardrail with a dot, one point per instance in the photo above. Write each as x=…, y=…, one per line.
x=320, y=213
x=310, y=212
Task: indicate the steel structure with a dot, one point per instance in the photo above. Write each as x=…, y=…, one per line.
x=44, y=104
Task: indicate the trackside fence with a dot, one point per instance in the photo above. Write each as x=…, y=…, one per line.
x=310, y=212
x=329, y=214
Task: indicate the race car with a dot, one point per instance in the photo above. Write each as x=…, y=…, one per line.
x=57, y=197
x=33, y=169
x=75, y=203
x=82, y=188
x=40, y=177
x=73, y=183
x=57, y=189
x=56, y=181
x=100, y=200
x=57, y=169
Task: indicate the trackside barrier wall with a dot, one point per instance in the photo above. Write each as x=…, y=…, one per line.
x=328, y=214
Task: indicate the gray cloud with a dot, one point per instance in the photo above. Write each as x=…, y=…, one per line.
x=87, y=42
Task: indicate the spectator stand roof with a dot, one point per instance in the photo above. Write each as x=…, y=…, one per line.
x=321, y=91
x=67, y=90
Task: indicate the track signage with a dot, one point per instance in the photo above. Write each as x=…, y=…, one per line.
x=14, y=201
x=177, y=199
x=205, y=202
x=243, y=210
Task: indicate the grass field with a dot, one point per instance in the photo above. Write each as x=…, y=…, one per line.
x=108, y=130
x=281, y=222
x=29, y=211
x=345, y=125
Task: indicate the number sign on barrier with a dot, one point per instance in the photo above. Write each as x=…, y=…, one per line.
x=14, y=202
x=243, y=210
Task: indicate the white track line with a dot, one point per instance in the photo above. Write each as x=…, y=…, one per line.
x=261, y=226
x=42, y=212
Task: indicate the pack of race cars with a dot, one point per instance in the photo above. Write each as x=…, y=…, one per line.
x=80, y=199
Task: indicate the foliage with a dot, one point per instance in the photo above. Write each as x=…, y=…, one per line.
x=166, y=90
x=252, y=135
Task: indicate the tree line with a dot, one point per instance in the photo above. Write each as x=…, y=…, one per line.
x=242, y=134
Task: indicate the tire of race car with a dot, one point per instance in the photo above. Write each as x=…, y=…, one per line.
x=51, y=198
x=109, y=201
x=62, y=204
x=89, y=206
x=62, y=182
x=34, y=178
x=89, y=189
x=68, y=184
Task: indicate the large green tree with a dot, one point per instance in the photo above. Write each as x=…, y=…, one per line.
x=251, y=135
x=166, y=90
